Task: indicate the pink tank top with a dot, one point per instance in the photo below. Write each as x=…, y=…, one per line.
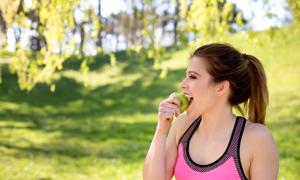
x=227, y=167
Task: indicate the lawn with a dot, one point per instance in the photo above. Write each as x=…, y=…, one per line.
x=103, y=131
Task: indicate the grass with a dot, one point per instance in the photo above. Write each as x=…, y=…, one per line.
x=103, y=131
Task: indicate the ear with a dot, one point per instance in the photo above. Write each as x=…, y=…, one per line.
x=222, y=87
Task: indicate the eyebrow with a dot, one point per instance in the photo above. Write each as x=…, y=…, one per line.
x=193, y=72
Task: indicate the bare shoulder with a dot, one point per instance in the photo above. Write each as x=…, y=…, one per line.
x=257, y=136
x=262, y=152
x=180, y=125
x=257, y=132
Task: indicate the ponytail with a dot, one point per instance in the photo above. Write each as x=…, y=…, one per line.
x=259, y=96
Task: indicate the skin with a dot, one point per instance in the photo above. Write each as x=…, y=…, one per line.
x=258, y=151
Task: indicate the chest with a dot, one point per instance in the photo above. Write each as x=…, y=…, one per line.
x=206, y=152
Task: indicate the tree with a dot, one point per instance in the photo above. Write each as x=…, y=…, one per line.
x=54, y=25
x=295, y=9
x=209, y=18
x=99, y=26
x=3, y=27
x=176, y=20
x=30, y=67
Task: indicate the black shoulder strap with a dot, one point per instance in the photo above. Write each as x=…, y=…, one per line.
x=237, y=135
x=184, y=138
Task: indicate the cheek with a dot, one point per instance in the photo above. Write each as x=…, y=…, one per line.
x=205, y=102
x=204, y=96
x=201, y=90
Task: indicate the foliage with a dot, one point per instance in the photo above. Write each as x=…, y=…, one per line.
x=55, y=31
x=51, y=20
x=32, y=68
x=209, y=19
x=103, y=131
x=295, y=8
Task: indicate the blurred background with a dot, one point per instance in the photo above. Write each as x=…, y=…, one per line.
x=81, y=80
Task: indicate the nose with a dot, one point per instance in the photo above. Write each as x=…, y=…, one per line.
x=183, y=84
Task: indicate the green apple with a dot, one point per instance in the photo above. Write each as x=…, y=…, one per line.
x=184, y=101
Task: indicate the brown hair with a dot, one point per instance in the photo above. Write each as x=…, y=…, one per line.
x=245, y=73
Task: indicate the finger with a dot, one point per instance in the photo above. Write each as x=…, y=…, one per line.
x=166, y=115
x=169, y=105
x=172, y=112
x=171, y=108
x=177, y=109
x=177, y=113
x=167, y=110
x=174, y=100
x=171, y=100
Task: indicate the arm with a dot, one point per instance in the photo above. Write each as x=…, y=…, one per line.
x=161, y=156
x=265, y=158
x=171, y=146
x=159, y=143
x=154, y=165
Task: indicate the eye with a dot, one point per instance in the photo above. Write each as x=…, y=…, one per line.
x=192, y=77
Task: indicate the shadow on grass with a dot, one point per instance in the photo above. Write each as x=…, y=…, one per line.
x=103, y=101
x=85, y=123
x=123, y=141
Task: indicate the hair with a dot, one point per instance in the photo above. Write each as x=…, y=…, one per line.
x=246, y=76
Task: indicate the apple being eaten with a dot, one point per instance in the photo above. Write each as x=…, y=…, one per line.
x=184, y=101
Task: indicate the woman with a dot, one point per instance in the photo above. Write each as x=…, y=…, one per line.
x=208, y=141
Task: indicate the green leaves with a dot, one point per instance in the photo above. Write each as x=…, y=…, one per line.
x=33, y=67
x=208, y=19
x=53, y=20
x=55, y=27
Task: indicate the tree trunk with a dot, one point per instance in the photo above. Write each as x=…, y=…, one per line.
x=134, y=23
x=176, y=19
x=3, y=25
x=99, y=34
x=82, y=36
x=142, y=18
x=3, y=28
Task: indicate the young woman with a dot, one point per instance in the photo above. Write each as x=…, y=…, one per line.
x=208, y=141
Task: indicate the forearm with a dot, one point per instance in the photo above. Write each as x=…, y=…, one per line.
x=154, y=165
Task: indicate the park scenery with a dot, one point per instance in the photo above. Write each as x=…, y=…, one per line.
x=81, y=80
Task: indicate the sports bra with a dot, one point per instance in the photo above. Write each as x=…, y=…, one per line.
x=228, y=166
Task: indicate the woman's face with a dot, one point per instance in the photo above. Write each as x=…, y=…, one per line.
x=198, y=84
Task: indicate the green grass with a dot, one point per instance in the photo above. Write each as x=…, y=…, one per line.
x=103, y=131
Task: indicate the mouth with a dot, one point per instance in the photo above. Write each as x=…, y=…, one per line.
x=190, y=99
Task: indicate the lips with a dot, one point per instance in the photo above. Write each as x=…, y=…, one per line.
x=190, y=99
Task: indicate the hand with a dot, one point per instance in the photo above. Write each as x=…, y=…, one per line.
x=166, y=111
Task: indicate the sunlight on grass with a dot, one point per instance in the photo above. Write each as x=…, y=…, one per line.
x=108, y=76
x=103, y=131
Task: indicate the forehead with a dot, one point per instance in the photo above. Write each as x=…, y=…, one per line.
x=196, y=64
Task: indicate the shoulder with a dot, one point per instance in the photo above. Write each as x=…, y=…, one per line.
x=257, y=132
x=259, y=139
x=180, y=125
x=263, y=151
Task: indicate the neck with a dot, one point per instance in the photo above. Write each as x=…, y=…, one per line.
x=218, y=123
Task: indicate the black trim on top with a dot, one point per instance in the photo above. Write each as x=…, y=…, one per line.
x=216, y=161
x=199, y=117
x=238, y=150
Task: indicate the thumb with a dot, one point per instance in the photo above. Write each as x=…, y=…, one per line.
x=177, y=113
